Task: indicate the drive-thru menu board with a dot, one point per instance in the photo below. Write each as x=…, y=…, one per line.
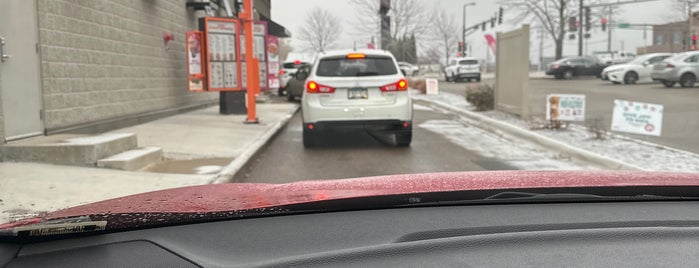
x=223, y=59
x=259, y=46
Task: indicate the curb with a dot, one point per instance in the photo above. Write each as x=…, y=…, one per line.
x=493, y=125
x=229, y=171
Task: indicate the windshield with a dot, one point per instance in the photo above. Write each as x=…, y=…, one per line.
x=344, y=67
x=103, y=99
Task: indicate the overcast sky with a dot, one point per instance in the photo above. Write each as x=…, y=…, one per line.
x=290, y=14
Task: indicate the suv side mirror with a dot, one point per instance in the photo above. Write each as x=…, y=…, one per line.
x=301, y=75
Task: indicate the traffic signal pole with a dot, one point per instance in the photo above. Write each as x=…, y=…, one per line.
x=253, y=83
x=580, y=30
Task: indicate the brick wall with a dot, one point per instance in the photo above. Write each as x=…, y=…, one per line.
x=102, y=59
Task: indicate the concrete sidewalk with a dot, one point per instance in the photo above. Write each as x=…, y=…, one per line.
x=202, y=146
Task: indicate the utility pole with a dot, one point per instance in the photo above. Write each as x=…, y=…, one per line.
x=541, y=48
x=463, y=28
x=609, y=30
x=580, y=29
x=609, y=16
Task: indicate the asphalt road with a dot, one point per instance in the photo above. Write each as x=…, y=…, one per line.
x=680, y=120
x=357, y=154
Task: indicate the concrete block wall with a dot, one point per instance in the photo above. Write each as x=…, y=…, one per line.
x=102, y=59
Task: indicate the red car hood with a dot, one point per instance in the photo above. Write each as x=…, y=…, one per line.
x=242, y=196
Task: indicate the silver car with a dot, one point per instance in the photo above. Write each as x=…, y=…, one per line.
x=362, y=90
x=682, y=68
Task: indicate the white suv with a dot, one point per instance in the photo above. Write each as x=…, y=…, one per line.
x=463, y=69
x=359, y=89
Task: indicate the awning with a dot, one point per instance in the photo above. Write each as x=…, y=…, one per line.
x=274, y=28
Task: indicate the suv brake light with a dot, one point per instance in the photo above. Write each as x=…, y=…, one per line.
x=356, y=56
x=401, y=85
x=313, y=87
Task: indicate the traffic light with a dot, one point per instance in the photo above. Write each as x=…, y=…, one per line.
x=604, y=24
x=588, y=25
x=500, y=16
x=572, y=24
x=694, y=39
x=461, y=46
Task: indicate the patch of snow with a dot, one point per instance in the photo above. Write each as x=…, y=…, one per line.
x=420, y=108
x=203, y=170
x=650, y=156
x=88, y=140
x=518, y=153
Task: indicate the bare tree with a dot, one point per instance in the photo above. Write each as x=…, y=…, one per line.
x=551, y=15
x=320, y=31
x=682, y=9
x=408, y=18
x=284, y=48
x=445, y=32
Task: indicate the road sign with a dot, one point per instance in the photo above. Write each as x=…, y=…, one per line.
x=624, y=25
x=637, y=117
x=432, y=86
x=565, y=107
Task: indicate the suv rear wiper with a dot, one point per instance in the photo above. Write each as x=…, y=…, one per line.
x=366, y=73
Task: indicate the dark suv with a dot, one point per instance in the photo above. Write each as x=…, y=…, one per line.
x=567, y=68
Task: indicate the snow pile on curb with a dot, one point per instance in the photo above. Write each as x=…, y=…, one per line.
x=652, y=157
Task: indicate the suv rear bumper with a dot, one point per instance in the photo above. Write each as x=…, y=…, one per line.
x=372, y=126
x=469, y=75
x=313, y=111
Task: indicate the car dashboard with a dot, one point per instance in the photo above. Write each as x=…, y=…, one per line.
x=616, y=234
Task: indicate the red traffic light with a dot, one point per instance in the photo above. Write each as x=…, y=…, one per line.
x=604, y=21
x=694, y=37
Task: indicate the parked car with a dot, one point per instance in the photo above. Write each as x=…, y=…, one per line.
x=288, y=70
x=460, y=69
x=682, y=68
x=361, y=90
x=408, y=69
x=636, y=71
x=567, y=68
x=297, y=83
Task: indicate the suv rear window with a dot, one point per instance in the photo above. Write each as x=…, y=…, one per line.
x=468, y=62
x=344, y=67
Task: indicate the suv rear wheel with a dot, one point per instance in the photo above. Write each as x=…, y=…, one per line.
x=311, y=138
x=404, y=138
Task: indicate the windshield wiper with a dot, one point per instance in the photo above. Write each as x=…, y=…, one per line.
x=514, y=197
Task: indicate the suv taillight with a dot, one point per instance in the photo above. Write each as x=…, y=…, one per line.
x=401, y=85
x=313, y=87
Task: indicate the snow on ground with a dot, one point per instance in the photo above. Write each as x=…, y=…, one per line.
x=652, y=157
x=518, y=153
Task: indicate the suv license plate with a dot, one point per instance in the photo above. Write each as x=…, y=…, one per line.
x=357, y=93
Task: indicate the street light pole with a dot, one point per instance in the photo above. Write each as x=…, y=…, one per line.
x=463, y=28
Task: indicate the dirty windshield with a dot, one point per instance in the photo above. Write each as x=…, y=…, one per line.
x=105, y=99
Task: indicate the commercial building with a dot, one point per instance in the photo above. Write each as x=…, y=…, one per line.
x=86, y=66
